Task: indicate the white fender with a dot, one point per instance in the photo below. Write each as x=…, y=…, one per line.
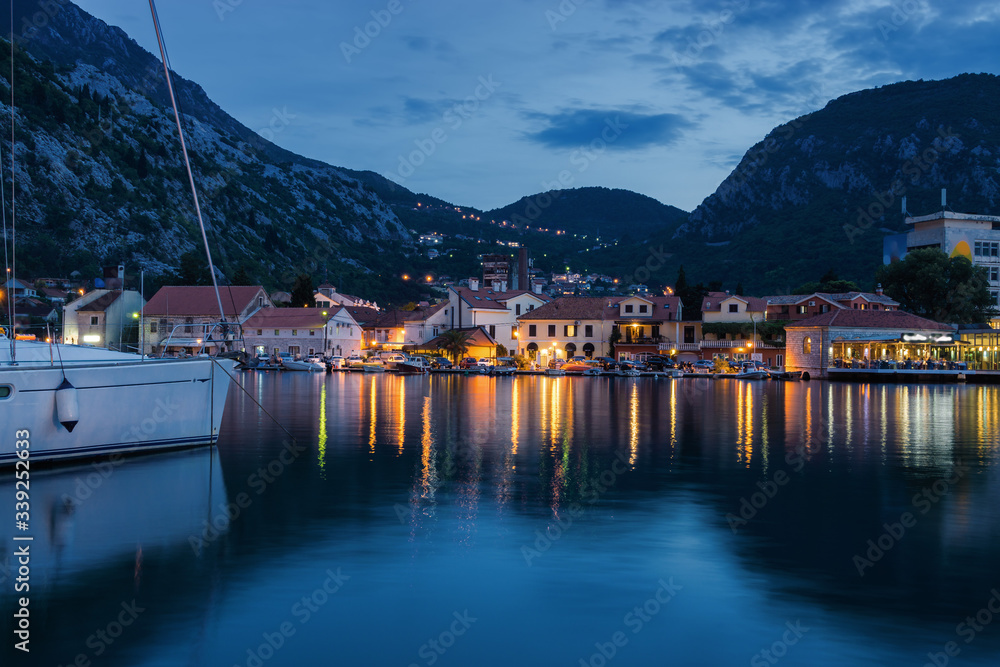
x=67, y=405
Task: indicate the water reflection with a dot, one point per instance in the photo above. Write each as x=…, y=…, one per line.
x=427, y=490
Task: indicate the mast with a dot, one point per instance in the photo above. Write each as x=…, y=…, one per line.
x=187, y=162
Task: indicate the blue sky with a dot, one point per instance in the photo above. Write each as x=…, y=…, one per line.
x=482, y=103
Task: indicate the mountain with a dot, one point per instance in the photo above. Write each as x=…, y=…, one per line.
x=100, y=177
x=821, y=191
x=594, y=211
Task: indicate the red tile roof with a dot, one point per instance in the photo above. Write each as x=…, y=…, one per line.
x=362, y=315
x=869, y=319
x=287, y=318
x=100, y=304
x=201, y=301
x=487, y=298
x=755, y=304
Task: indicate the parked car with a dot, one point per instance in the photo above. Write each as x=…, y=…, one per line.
x=264, y=358
x=440, y=362
x=468, y=362
x=354, y=361
x=483, y=361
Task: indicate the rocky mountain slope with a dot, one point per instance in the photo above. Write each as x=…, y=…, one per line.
x=99, y=175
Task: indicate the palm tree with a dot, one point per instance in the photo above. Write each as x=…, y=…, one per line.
x=456, y=343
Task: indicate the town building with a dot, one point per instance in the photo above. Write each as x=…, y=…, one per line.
x=494, y=310
x=793, y=307
x=327, y=296
x=103, y=318
x=181, y=319
x=976, y=237
x=588, y=326
x=848, y=337
x=302, y=332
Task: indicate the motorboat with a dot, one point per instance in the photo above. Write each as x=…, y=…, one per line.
x=413, y=365
x=310, y=365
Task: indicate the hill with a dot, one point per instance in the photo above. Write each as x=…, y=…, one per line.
x=821, y=191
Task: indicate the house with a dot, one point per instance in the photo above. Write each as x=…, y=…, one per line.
x=425, y=323
x=326, y=296
x=796, y=307
x=726, y=307
x=103, y=317
x=27, y=309
x=302, y=332
x=826, y=341
x=496, y=310
x=585, y=326
x=19, y=288
x=182, y=318
x=54, y=295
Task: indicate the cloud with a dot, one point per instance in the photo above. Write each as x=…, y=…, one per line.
x=631, y=130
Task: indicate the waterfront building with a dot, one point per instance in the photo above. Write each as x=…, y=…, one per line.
x=303, y=332
x=584, y=326
x=794, y=307
x=178, y=318
x=849, y=338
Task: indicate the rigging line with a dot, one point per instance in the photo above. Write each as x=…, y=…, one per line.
x=13, y=220
x=187, y=161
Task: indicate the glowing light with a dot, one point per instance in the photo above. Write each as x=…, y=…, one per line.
x=94, y=338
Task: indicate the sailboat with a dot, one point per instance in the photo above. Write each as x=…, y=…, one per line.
x=61, y=401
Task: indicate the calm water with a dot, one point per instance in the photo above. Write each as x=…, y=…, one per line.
x=533, y=521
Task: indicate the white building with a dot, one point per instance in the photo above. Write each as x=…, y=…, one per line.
x=496, y=310
x=102, y=318
x=302, y=332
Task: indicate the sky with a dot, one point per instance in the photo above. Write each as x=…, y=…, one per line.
x=483, y=103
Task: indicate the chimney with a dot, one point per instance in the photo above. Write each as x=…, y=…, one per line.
x=878, y=290
x=944, y=198
x=503, y=286
x=495, y=284
x=474, y=284
x=537, y=288
x=121, y=273
x=522, y=268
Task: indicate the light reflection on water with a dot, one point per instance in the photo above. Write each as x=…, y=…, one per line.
x=549, y=508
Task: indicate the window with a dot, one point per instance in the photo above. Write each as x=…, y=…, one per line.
x=493, y=330
x=517, y=309
x=994, y=274
x=93, y=320
x=628, y=308
x=531, y=307
x=801, y=310
x=812, y=303
x=569, y=331
x=588, y=331
x=295, y=332
x=689, y=335
x=643, y=308
x=260, y=302
x=807, y=345
x=513, y=333
x=276, y=332
x=778, y=360
x=532, y=330
x=434, y=332
x=5, y=391
x=260, y=332
x=875, y=306
x=153, y=327
x=734, y=308
x=312, y=332
x=552, y=331
x=784, y=310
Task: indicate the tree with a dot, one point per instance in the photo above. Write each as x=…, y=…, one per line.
x=242, y=277
x=302, y=292
x=613, y=339
x=193, y=269
x=930, y=284
x=739, y=289
x=501, y=350
x=456, y=343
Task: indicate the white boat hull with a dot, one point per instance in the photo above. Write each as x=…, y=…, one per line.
x=126, y=406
